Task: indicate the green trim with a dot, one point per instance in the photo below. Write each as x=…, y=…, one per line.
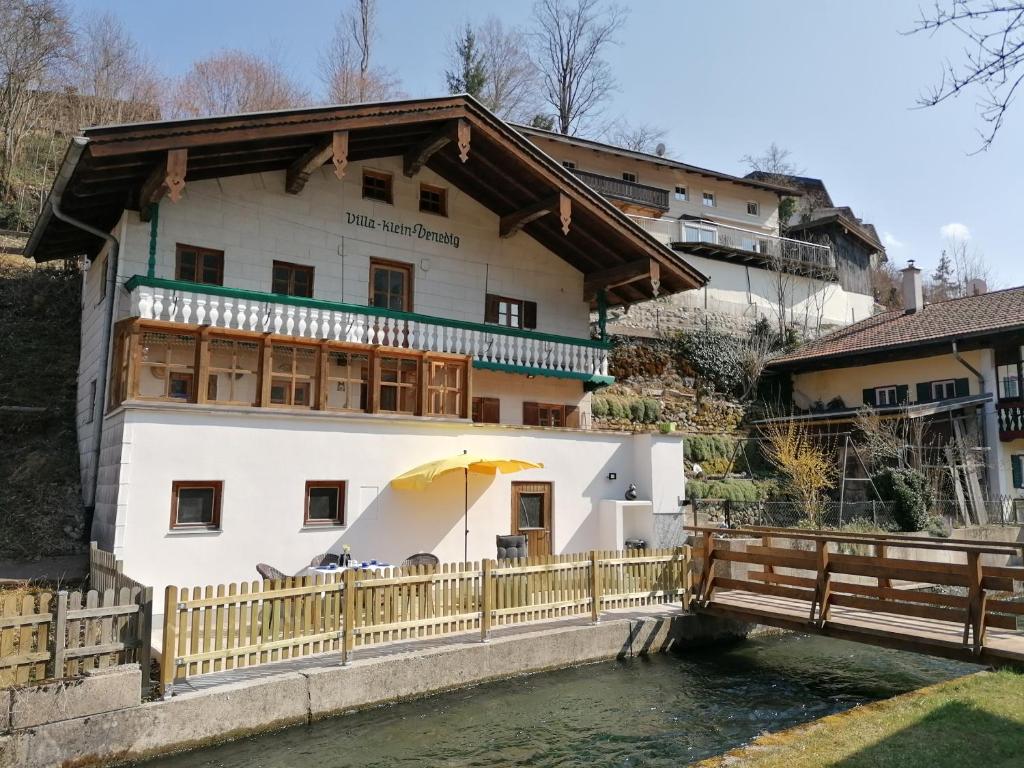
x=602, y=314
x=591, y=378
x=298, y=301
x=154, y=219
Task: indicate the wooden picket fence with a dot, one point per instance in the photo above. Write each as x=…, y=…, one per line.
x=48, y=636
x=107, y=572
x=212, y=629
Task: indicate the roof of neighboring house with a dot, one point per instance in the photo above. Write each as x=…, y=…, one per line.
x=945, y=321
x=809, y=186
x=745, y=181
x=111, y=168
x=913, y=411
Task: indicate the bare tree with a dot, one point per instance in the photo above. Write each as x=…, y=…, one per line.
x=35, y=37
x=775, y=161
x=752, y=357
x=570, y=40
x=886, y=284
x=114, y=80
x=639, y=137
x=345, y=67
x=969, y=265
x=236, y=81
x=993, y=57
x=511, y=86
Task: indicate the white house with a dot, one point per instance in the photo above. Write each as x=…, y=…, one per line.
x=728, y=228
x=284, y=311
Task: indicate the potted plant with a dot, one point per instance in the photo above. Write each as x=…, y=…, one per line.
x=666, y=427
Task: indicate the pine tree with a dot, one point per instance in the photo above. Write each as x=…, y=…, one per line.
x=943, y=284
x=470, y=75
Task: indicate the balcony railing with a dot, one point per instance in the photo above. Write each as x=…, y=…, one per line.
x=1011, y=420
x=781, y=253
x=490, y=346
x=628, y=191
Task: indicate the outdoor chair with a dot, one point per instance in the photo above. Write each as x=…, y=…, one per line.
x=326, y=558
x=421, y=558
x=510, y=547
x=269, y=572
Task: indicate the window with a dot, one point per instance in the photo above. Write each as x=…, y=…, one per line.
x=512, y=313
x=167, y=366
x=398, y=387
x=626, y=176
x=753, y=209
x=292, y=279
x=446, y=388
x=1009, y=381
x=681, y=194
x=195, y=504
x=91, y=415
x=486, y=410
x=325, y=502
x=199, y=265
x=348, y=380
x=550, y=415
x=391, y=285
x=293, y=375
x=234, y=371
x=943, y=390
x=433, y=200
x=709, y=200
x=377, y=186
x=700, y=232
x=569, y=164
x=885, y=396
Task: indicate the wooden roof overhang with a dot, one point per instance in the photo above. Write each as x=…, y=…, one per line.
x=112, y=169
x=755, y=259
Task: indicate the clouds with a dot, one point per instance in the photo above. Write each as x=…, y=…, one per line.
x=955, y=231
x=890, y=242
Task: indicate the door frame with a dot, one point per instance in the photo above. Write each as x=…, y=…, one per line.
x=550, y=495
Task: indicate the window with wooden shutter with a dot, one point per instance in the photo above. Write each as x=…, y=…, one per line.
x=1017, y=467
x=446, y=387
x=962, y=388
x=512, y=313
x=924, y=392
x=486, y=410
x=550, y=415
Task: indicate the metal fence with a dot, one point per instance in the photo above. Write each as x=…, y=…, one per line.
x=1002, y=511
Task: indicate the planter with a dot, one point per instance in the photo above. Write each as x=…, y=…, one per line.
x=667, y=427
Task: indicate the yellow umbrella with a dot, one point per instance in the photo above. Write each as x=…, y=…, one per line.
x=419, y=478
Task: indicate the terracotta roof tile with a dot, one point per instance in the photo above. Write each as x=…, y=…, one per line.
x=947, y=320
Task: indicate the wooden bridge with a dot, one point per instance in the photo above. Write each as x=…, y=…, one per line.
x=955, y=598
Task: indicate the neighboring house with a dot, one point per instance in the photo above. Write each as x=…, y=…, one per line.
x=301, y=305
x=728, y=227
x=956, y=364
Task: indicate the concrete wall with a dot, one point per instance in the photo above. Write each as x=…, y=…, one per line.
x=265, y=458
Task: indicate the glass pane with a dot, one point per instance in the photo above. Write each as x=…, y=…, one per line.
x=323, y=503
x=380, y=280
x=195, y=506
x=531, y=510
x=397, y=281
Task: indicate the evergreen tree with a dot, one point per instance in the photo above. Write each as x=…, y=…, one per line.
x=470, y=75
x=943, y=282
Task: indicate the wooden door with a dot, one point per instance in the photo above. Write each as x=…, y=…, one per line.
x=532, y=516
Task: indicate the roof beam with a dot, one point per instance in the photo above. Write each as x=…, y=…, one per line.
x=623, y=274
x=168, y=178
x=560, y=202
x=454, y=130
x=334, y=148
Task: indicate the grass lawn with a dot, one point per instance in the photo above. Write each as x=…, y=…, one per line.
x=973, y=721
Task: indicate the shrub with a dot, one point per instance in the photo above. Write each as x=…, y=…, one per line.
x=615, y=409
x=652, y=410
x=636, y=410
x=911, y=496
x=599, y=407
x=733, y=490
x=712, y=356
x=702, y=448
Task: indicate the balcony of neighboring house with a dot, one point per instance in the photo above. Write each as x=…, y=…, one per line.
x=645, y=198
x=1010, y=380
x=705, y=237
x=196, y=343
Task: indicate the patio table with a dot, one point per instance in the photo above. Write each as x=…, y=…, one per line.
x=359, y=566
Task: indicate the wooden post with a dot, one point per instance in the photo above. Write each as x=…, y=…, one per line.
x=348, y=618
x=766, y=542
x=976, y=602
x=707, y=576
x=822, y=591
x=681, y=555
x=485, y=607
x=145, y=638
x=60, y=634
x=881, y=550
x=595, y=588
x=842, y=487
x=168, y=666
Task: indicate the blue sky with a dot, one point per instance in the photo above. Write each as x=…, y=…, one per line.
x=835, y=82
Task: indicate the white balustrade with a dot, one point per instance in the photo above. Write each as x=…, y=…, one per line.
x=524, y=351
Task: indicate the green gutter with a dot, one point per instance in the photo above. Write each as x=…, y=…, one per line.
x=591, y=378
x=154, y=218
x=320, y=304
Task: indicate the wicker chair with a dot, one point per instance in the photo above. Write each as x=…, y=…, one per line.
x=510, y=547
x=421, y=558
x=269, y=572
x=327, y=558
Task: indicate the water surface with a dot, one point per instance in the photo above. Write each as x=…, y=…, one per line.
x=664, y=710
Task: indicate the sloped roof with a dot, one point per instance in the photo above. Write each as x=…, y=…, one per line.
x=944, y=321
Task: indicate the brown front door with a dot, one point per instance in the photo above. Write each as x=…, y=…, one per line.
x=532, y=516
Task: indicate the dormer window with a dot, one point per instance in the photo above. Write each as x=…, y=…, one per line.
x=433, y=199
x=709, y=200
x=630, y=177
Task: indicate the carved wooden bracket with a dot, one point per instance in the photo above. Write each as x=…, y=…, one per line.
x=168, y=178
x=334, y=148
x=623, y=274
x=339, y=140
x=418, y=155
x=513, y=222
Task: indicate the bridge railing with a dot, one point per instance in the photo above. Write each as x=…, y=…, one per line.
x=969, y=584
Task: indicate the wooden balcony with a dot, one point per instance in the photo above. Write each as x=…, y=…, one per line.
x=491, y=347
x=626, y=191
x=1011, y=419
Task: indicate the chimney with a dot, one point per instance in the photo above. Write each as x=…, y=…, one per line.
x=913, y=295
x=976, y=287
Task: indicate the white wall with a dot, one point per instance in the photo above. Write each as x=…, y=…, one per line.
x=254, y=222
x=264, y=460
